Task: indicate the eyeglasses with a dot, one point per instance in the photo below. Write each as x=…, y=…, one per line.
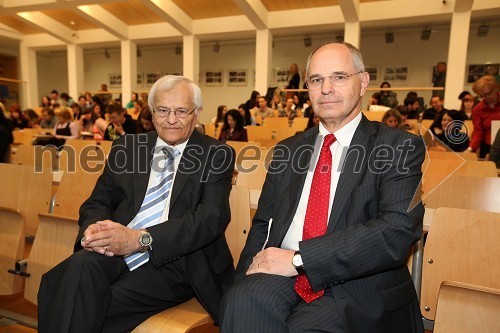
x=179, y=113
x=336, y=80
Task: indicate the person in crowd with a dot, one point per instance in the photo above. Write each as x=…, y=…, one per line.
x=248, y=119
x=219, y=119
x=33, y=118
x=387, y=97
x=99, y=125
x=98, y=107
x=145, y=120
x=495, y=150
x=447, y=128
x=66, y=99
x=134, y=97
x=298, y=104
x=404, y=124
x=253, y=101
x=439, y=79
x=468, y=103
x=48, y=118
x=277, y=103
x=412, y=106
x=436, y=108
x=45, y=102
x=89, y=98
x=313, y=120
x=233, y=129
x=262, y=110
x=306, y=106
x=288, y=111
x=392, y=118
x=375, y=103
x=486, y=88
x=120, y=123
x=138, y=105
x=141, y=250
x=6, y=137
x=82, y=101
x=328, y=245
x=55, y=99
x=76, y=109
x=65, y=128
x=294, y=81
x=106, y=97
x=19, y=120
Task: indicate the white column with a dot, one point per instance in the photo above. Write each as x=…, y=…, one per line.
x=191, y=58
x=76, y=76
x=457, y=58
x=129, y=69
x=352, y=33
x=263, y=60
x=29, y=76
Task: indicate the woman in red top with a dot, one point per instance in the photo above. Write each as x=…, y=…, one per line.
x=233, y=130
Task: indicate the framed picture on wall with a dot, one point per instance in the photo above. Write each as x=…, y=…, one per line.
x=152, y=77
x=140, y=80
x=373, y=71
x=237, y=77
x=213, y=78
x=474, y=72
x=115, y=80
x=396, y=73
x=281, y=77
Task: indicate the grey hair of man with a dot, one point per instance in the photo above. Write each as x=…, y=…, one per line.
x=357, y=59
x=167, y=83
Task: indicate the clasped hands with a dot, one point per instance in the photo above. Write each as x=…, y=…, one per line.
x=273, y=260
x=110, y=238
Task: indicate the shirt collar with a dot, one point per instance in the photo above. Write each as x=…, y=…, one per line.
x=343, y=135
x=160, y=144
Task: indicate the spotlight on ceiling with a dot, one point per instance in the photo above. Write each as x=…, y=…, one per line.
x=178, y=50
x=483, y=29
x=425, y=34
x=307, y=41
x=389, y=37
x=339, y=38
x=216, y=48
x=106, y=54
x=139, y=53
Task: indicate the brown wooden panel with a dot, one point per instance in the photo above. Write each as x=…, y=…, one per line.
x=65, y=16
x=133, y=12
x=19, y=25
x=200, y=9
x=273, y=5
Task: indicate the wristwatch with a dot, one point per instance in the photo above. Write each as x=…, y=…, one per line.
x=145, y=240
x=297, y=263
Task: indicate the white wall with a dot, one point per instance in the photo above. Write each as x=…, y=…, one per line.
x=406, y=50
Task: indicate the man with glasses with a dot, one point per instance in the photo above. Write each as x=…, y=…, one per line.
x=338, y=213
x=152, y=232
x=483, y=113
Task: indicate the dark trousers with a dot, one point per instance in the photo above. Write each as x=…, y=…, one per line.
x=89, y=292
x=268, y=303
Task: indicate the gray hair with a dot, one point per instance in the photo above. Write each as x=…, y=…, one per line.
x=357, y=59
x=167, y=83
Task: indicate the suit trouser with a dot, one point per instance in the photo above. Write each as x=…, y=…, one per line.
x=263, y=303
x=90, y=292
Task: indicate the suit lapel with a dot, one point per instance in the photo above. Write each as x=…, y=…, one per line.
x=363, y=141
x=141, y=176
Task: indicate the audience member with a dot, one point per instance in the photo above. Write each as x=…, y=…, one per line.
x=248, y=119
x=262, y=110
x=436, y=109
x=134, y=97
x=76, y=109
x=64, y=129
x=219, y=119
x=439, y=79
x=298, y=104
x=55, y=100
x=375, y=103
x=145, y=120
x=253, y=101
x=495, y=150
x=18, y=118
x=447, y=128
x=412, y=106
x=288, y=111
x=487, y=110
x=233, y=129
x=6, y=137
x=404, y=124
x=106, y=97
x=138, y=251
x=327, y=249
x=277, y=103
x=67, y=101
x=313, y=120
x=45, y=102
x=294, y=77
x=387, y=97
x=392, y=118
x=467, y=106
x=33, y=118
x=48, y=118
x=120, y=123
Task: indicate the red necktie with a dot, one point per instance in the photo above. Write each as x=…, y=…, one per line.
x=317, y=211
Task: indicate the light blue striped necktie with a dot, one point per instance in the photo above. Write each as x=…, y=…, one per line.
x=154, y=204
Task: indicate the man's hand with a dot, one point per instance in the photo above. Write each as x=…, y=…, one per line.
x=273, y=260
x=119, y=128
x=111, y=239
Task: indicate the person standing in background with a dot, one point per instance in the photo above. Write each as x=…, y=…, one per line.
x=439, y=78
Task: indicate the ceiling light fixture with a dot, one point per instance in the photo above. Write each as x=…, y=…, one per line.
x=483, y=29
x=389, y=37
x=139, y=53
x=106, y=54
x=425, y=34
x=178, y=50
x=216, y=48
x=307, y=41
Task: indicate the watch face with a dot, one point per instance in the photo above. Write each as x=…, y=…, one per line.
x=297, y=260
x=146, y=240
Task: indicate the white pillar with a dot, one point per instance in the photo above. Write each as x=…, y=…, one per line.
x=457, y=58
x=29, y=76
x=352, y=33
x=191, y=58
x=129, y=69
x=263, y=60
x=76, y=76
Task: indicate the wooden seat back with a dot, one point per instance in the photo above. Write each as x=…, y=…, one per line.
x=11, y=250
x=251, y=173
x=83, y=155
x=40, y=157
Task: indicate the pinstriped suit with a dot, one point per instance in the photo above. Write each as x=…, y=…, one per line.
x=361, y=261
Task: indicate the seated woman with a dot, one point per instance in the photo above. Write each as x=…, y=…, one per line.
x=233, y=130
x=447, y=128
x=392, y=118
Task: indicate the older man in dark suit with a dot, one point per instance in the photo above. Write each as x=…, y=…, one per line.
x=338, y=213
x=152, y=232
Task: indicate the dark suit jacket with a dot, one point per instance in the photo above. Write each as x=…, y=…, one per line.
x=362, y=258
x=199, y=208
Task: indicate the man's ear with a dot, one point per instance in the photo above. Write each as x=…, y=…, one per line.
x=365, y=80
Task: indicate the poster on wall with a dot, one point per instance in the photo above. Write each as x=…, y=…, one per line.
x=115, y=80
x=140, y=80
x=237, y=77
x=373, y=71
x=213, y=78
x=281, y=77
x=474, y=72
x=396, y=73
x=152, y=77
